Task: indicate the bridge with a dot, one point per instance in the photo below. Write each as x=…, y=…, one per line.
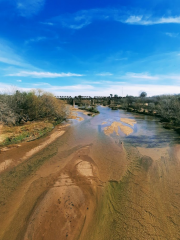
x=83, y=100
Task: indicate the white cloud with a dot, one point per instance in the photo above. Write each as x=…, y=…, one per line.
x=133, y=89
x=173, y=35
x=28, y=8
x=9, y=89
x=102, y=90
x=47, y=23
x=144, y=76
x=104, y=74
x=146, y=20
x=40, y=84
x=16, y=62
x=38, y=39
x=83, y=18
x=134, y=19
x=35, y=74
x=10, y=57
x=148, y=77
x=18, y=80
x=72, y=88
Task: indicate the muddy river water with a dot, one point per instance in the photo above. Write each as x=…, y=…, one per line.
x=109, y=177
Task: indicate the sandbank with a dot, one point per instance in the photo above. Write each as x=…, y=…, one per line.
x=114, y=127
x=128, y=121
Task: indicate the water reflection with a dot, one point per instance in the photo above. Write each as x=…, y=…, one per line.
x=148, y=132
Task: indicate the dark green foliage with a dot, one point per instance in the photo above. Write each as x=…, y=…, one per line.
x=143, y=94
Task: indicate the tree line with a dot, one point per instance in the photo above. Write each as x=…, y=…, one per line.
x=28, y=106
x=167, y=107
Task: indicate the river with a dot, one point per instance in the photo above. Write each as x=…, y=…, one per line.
x=95, y=182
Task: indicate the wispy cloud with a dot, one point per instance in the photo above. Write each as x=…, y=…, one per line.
x=18, y=80
x=173, y=35
x=83, y=18
x=37, y=39
x=35, y=74
x=148, y=77
x=28, y=8
x=149, y=20
x=40, y=84
x=10, y=57
x=71, y=88
x=144, y=76
x=104, y=74
x=47, y=23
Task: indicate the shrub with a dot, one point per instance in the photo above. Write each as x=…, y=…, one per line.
x=23, y=106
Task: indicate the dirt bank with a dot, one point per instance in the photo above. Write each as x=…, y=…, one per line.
x=8, y=163
x=10, y=135
x=75, y=110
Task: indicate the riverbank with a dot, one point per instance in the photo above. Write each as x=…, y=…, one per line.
x=13, y=136
x=26, y=132
x=166, y=124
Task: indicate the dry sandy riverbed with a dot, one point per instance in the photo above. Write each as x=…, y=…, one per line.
x=72, y=197
x=92, y=191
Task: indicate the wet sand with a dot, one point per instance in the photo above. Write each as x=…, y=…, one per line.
x=10, y=162
x=71, y=198
x=87, y=186
x=128, y=121
x=114, y=127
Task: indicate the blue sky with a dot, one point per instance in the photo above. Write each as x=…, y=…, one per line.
x=87, y=48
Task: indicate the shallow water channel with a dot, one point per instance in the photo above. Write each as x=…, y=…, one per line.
x=93, y=184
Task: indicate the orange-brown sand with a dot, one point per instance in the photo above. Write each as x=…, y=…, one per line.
x=128, y=121
x=114, y=127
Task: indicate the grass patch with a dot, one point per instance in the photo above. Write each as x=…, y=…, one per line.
x=90, y=109
x=27, y=132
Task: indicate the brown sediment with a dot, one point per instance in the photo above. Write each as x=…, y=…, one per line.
x=154, y=153
x=60, y=199
x=144, y=204
x=72, y=197
x=99, y=190
x=8, y=163
x=114, y=127
x=11, y=136
x=4, y=165
x=104, y=123
x=52, y=137
x=79, y=110
x=85, y=168
x=128, y=121
x=76, y=117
